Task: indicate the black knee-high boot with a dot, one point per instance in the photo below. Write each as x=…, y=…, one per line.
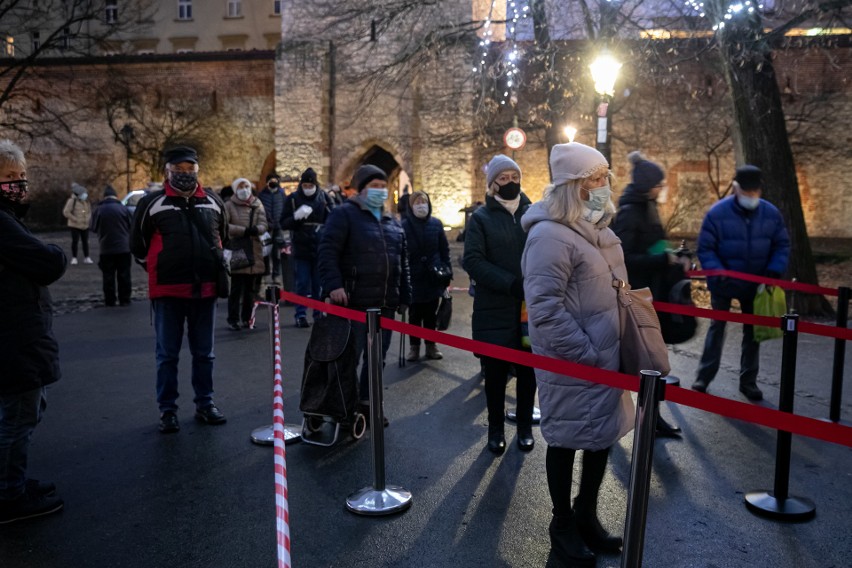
x=586, y=503
x=565, y=540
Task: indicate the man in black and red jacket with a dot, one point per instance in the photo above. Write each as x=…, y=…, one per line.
x=178, y=234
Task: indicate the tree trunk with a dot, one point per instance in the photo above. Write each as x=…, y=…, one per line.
x=759, y=118
x=546, y=54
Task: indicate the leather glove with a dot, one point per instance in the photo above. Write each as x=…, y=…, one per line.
x=303, y=212
x=251, y=231
x=402, y=309
x=517, y=289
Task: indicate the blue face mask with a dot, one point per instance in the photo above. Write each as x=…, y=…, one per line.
x=376, y=197
x=598, y=198
x=749, y=203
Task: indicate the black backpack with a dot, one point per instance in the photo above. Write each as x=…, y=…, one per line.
x=678, y=328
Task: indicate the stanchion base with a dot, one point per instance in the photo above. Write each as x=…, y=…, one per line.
x=672, y=380
x=369, y=501
x=512, y=416
x=764, y=503
x=264, y=436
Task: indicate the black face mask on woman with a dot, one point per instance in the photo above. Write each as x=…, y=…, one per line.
x=509, y=191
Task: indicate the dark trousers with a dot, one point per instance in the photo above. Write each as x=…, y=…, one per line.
x=116, y=267
x=79, y=235
x=425, y=315
x=496, y=377
x=307, y=284
x=711, y=358
x=19, y=415
x=241, y=297
x=559, y=464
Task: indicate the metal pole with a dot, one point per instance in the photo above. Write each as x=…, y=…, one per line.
x=652, y=390
x=265, y=435
x=380, y=499
x=839, y=354
x=778, y=503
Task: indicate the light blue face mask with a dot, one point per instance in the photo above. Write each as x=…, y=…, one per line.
x=376, y=197
x=598, y=198
x=749, y=203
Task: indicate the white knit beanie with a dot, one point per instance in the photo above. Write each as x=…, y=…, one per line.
x=236, y=183
x=575, y=161
x=498, y=164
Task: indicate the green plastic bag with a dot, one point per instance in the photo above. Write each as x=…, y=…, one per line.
x=769, y=301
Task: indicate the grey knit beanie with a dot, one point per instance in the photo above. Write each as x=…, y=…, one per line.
x=77, y=189
x=575, y=161
x=498, y=164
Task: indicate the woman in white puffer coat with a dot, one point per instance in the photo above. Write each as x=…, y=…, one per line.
x=568, y=264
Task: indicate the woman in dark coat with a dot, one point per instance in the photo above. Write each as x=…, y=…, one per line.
x=643, y=239
x=493, y=244
x=427, y=246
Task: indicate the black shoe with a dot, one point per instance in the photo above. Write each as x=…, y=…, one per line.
x=41, y=487
x=666, y=430
x=567, y=545
x=210, y=415
x=593, y=534
x=234, y=326
x=526, y=442
x=496, y=442
x=699, y=386
x=751, y=392
x=30, y=504
x=303, y=323
x=169, y=422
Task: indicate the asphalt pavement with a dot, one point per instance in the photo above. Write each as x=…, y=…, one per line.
x=205, y=496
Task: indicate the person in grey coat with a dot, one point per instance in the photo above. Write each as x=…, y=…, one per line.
x=568, y=264
x=111, y=223
x=493, y=245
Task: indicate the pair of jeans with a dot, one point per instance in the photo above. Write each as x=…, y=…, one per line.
x=424, y=314
x=170, y=315
x=711, y=358
x=496, y=377
x=307, y=284
x=80, y=235
x=116, y=267
x=241, y=297
x=360, y=331
x=19, y=415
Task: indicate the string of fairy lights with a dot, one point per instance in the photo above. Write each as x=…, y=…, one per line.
x=733, y=10
x=514, y=55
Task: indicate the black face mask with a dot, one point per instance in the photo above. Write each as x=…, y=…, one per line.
x=509, y=191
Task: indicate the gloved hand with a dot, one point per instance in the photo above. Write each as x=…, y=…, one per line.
x=773, y=274
x=517, y=289
x=402, y=309
x=303, y=212
x=251, y=231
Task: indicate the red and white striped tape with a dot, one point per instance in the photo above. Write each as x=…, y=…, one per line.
x=282, y=509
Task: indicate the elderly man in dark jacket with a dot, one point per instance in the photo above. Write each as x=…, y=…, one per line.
x=111, y=223
x=746, y=234
x=29, y=354
x=363, y=260
x=272, y=197
x=305, y=212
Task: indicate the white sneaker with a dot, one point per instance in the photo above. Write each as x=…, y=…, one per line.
x=87, y=260
x=74, y=260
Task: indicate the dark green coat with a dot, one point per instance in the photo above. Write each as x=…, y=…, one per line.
x=493, y=244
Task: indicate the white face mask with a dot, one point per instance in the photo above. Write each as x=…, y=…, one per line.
x=309, y=190
x=243, y=193
x=421, y=210
x=749, y=203
x=598, y=198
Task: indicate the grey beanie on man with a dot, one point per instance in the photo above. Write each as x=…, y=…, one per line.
x=367, y=173
x=575, y=161
x=498, y=164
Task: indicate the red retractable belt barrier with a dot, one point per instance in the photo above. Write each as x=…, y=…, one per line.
x=786, y=284
x=746, y=412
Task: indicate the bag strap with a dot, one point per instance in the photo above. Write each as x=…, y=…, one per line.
x=617, y=282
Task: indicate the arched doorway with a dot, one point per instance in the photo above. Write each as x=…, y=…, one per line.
x=377, y=156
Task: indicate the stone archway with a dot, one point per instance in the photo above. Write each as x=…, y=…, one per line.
x=374, y=153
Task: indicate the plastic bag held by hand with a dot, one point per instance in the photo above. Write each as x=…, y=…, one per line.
x=302, y=212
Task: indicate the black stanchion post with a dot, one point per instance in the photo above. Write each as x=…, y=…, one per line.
x=778, y=503
x=652, y=390
x=265, y=435
x=839, y=354
x=380, y=499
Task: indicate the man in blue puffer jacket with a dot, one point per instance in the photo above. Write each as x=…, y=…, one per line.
x=363, y=260
x=746, y=234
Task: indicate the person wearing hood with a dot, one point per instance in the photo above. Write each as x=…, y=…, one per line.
x=29, y=352
x=363, y=262
x=746, y=234
x=568, y=264
x=305, y=212
x=177, y=234
x=246, y=219
x=427, y=247
x=643, y=239
x=493, y=243
x=78, y=211
x=111, y=223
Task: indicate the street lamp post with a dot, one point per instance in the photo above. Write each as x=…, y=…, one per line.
x=126, y=137
x=604, y=73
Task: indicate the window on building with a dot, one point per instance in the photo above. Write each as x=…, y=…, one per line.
x=184, y=9
x=36, y=36
x=65, y=39
x=9, y=46
x=276, y=7
x=235, y=8
x=111, y=12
